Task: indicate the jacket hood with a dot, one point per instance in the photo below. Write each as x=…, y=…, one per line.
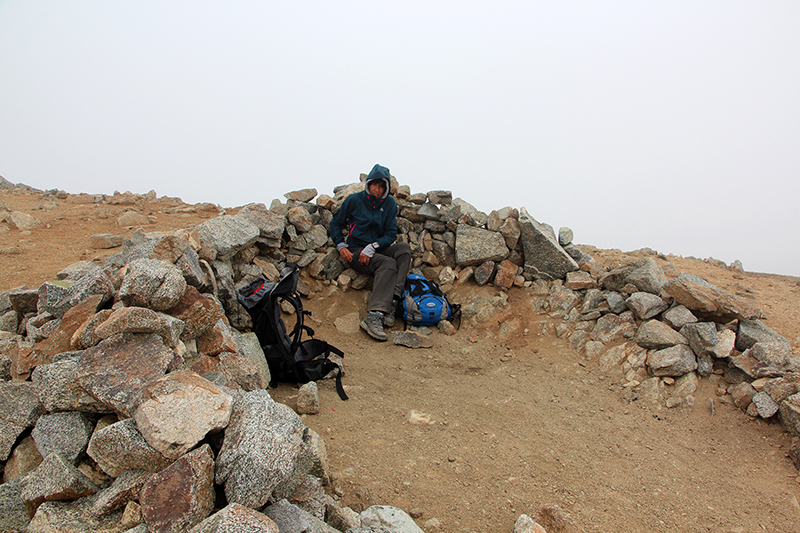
x=379, y=172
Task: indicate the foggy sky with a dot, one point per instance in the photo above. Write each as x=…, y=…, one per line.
x=672, y=125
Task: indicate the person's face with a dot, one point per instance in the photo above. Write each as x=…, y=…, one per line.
x=376, y=188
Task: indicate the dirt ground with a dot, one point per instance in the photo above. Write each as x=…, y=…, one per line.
x=515, y=422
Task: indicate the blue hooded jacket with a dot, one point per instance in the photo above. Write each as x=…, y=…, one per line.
x=368, y=219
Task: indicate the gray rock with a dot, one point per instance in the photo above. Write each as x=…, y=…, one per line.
x=13, y=512
x=178, y=410
x=66, y=434
x=483, y=274
x=578, y=340
x=511, y=232
x=265, y=453
x=198, y=313
x=20, y=408
x=544, y=257
x=464, y=206
x=23, y=300
x=789, y=414
x=241, y=370
x=141, y=320
x=579, y=279
x=476, y=245
x=40, y=327
x=705, y=365
x=226, y=288
x=765, y=405
x=702, y=337
x=327, y=266
x=612, y=327
x=152, y=283
x=55, y=480
x=308, y=399
x=289, y=518
x=317, y=236
x=645, y=305
x=681, y=392
x=250, y=348
x=593, y=300
x=561, y=300
x=310, y=497
x=742, y=394
x=389, y=517
x=411, y=339
x=678, y=316
x=615, y=356
x=167, y=248
x=50, y=294
x=300, y=218
x=651, y=389
x=236, y=517
x=302, y=195
x=123, y=489
x=753, y=331
x=115, y=370
x=440, y=197
x=23, y=459
x=341, y=518
x=726, y=339
x=226, y=235
x=120, y=446
x=104, y=241
x=644, y=273
x=656, y=335
x=772, y=353
x=59, y=390
x=673, y=361
x=578, y=255
x=76, y=516
x=9, y=321
x=182, y=495
x=616, y=303
x=428, y=211
x=565, y=236
x=449, y=213
x=56, y=302
x=193, y=272
x=444, y=253
x=704, y=298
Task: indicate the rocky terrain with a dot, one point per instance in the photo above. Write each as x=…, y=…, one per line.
x=585, y=389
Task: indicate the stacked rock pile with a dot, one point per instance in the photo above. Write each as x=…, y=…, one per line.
x=133, y=397
x=661, y=336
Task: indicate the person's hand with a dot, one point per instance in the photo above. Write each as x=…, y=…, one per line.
x=346, y=254
x=363, y=259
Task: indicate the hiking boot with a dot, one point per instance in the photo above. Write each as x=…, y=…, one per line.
x=373, y=324
x=388, y=318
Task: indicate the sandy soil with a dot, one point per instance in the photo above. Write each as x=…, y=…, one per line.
x=515, y=422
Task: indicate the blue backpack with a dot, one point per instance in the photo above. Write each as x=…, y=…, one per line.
x=424, y=303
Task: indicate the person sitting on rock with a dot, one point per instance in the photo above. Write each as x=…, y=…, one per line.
x=370, y=217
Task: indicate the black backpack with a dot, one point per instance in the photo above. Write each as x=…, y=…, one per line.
x=290, y=360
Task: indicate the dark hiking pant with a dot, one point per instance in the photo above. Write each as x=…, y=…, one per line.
x=389, y=268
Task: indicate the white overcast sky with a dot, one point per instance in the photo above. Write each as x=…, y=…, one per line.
x=673, y=125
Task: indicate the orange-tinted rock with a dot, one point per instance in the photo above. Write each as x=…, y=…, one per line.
x=182, y=495
x=61, y=339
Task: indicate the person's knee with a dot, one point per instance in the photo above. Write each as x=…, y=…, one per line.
x=403, y=248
